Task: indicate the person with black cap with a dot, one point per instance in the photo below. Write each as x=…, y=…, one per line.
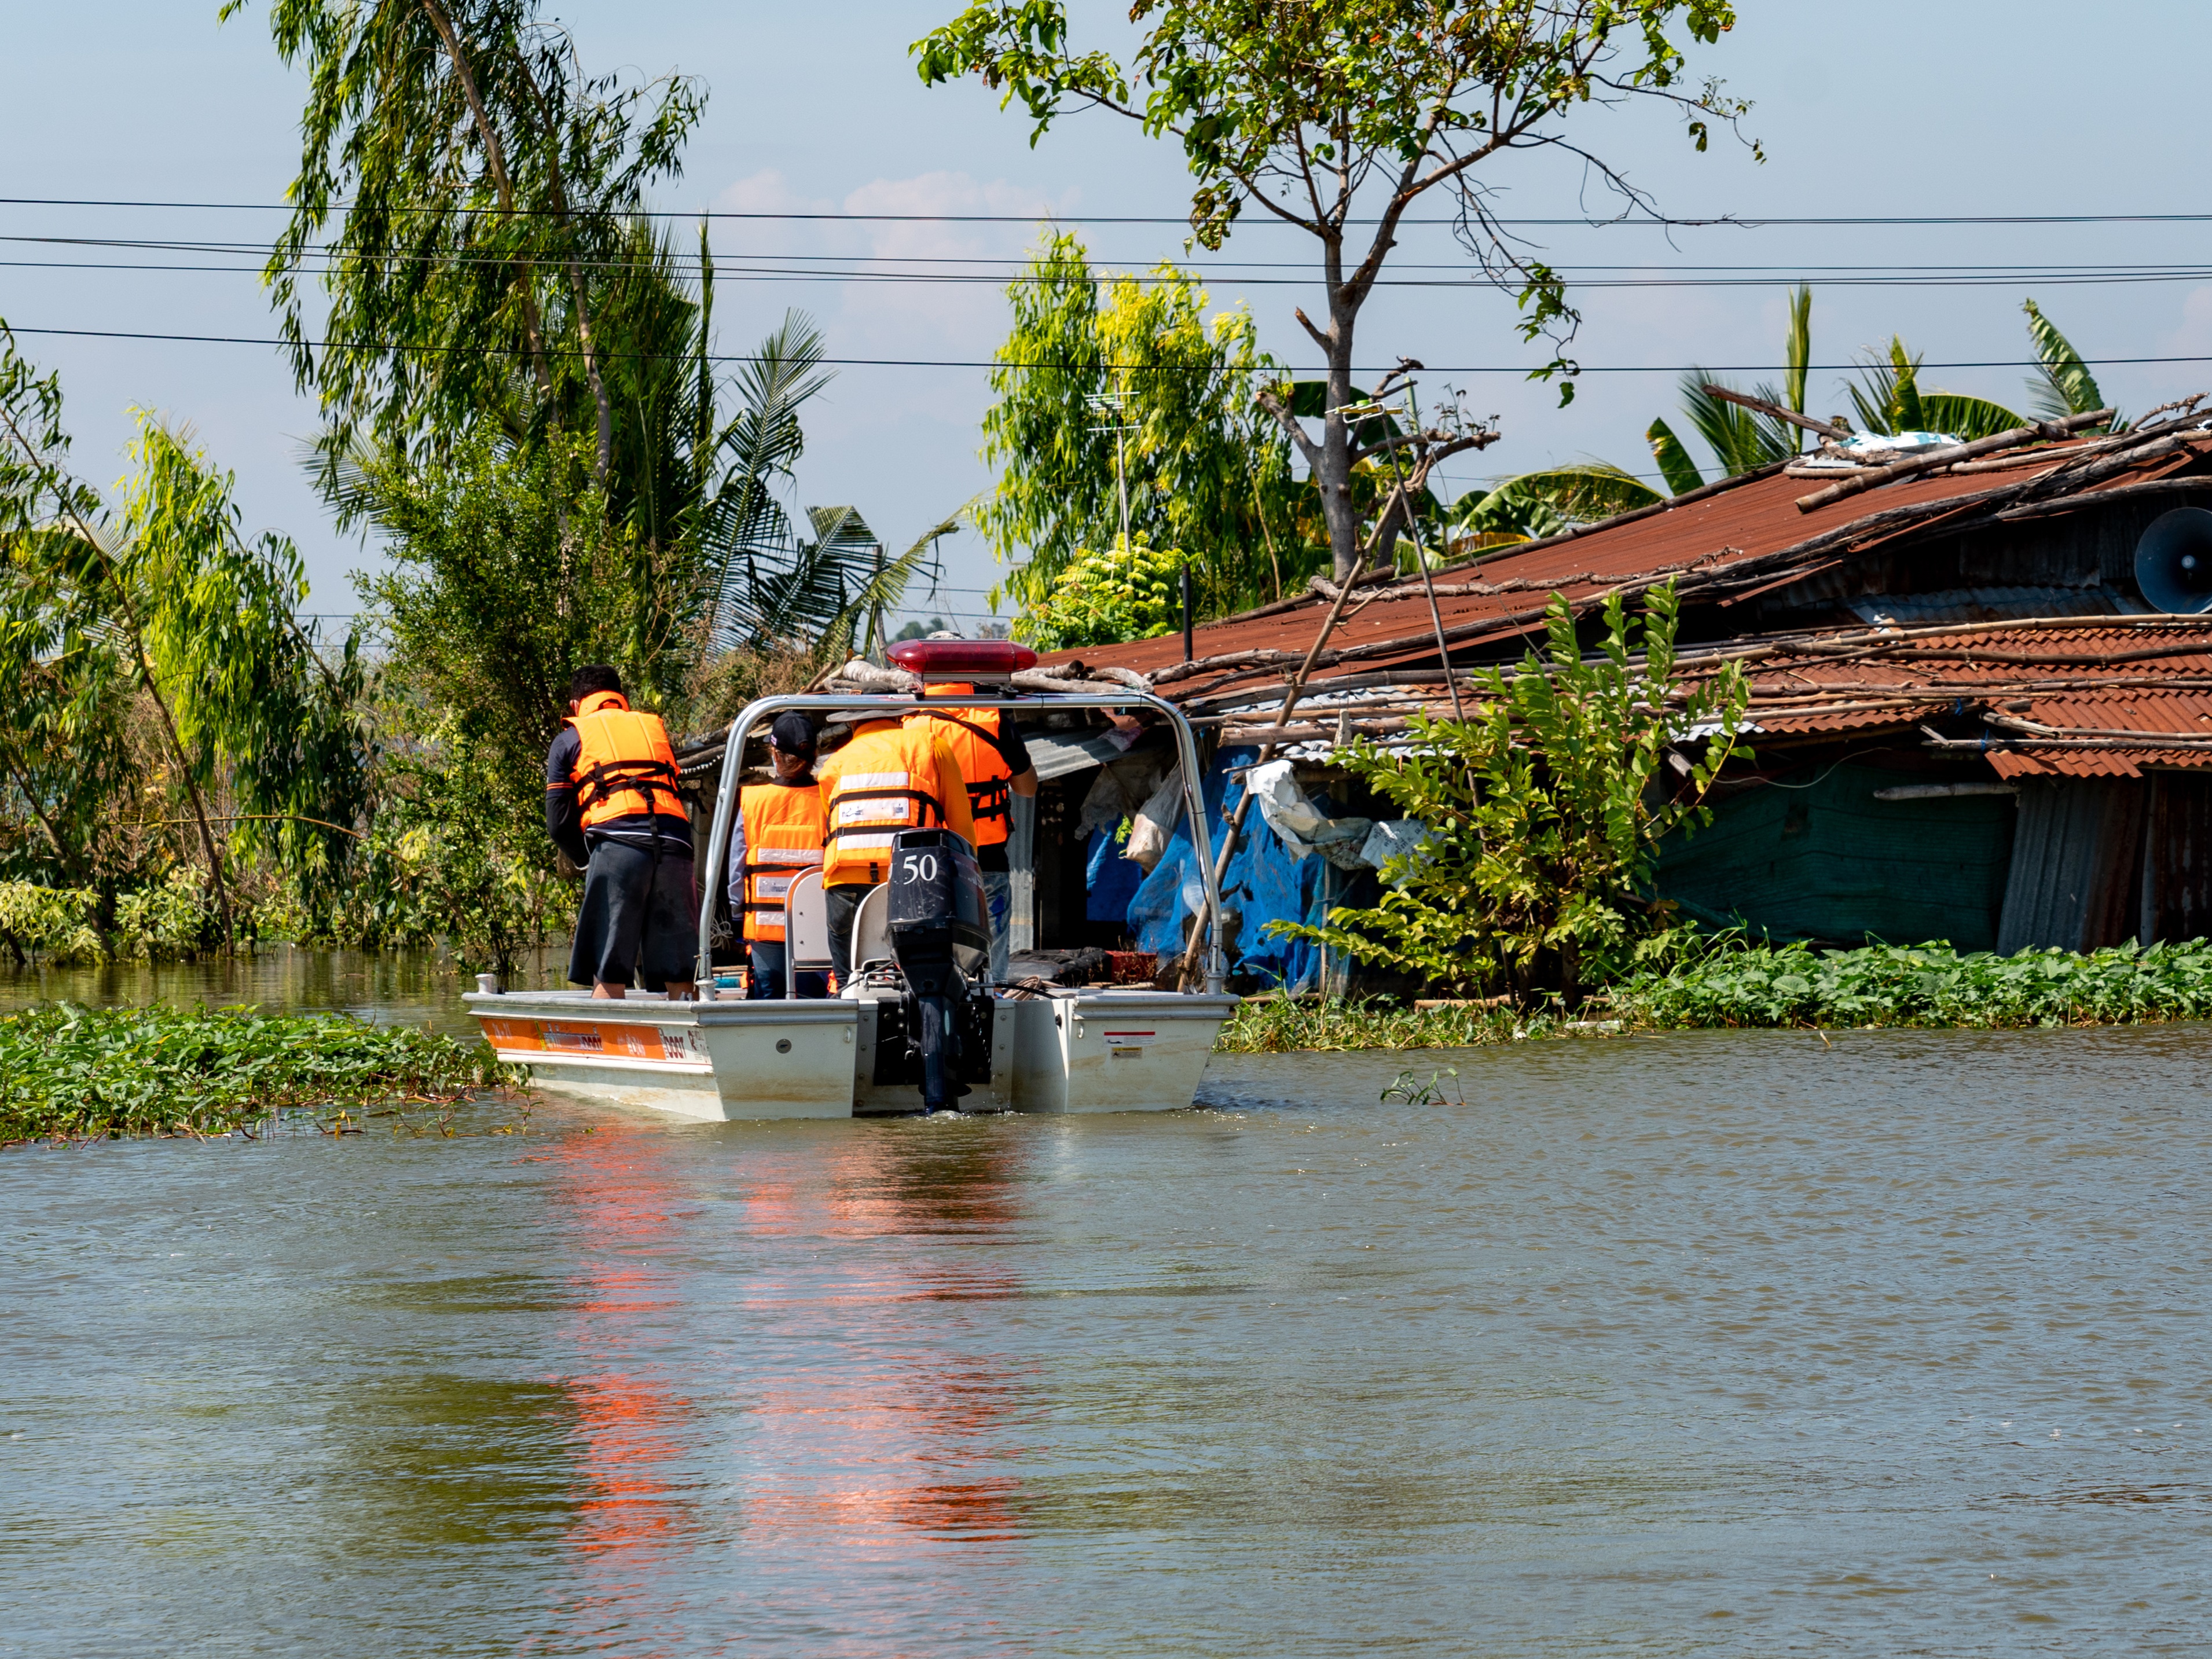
x=779, y=834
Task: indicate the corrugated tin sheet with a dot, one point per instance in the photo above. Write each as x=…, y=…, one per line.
x=2074, y=855
x=2177, y=868
x=1754, y=519
x=1985, y=604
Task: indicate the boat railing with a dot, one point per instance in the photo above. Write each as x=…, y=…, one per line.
x=889, y=705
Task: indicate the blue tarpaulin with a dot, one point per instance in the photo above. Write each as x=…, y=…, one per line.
x=1263, y=883
x=1109, y=880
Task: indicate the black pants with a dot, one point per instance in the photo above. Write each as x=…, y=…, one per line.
x=843, y=903
x=766, y=958
x=640, y=921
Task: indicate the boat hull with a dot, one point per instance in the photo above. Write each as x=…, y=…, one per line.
x=1114, y=1051
x=711, y=1061
x=1107, y=1051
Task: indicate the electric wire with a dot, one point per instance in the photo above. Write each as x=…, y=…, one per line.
x=1517, y=369
x=1655, y=222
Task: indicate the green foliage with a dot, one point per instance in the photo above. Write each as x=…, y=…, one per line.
x=162, y=665
x=487, y=185
x=1537, y=504
x=66, y=1070
x=259, y=706
x=1207, y=470
x=1797, y=349
x=1351, y=88
x=1730, y=983
x=1967, y=417
x=505, y=573
x=1742, y=440
x=1887, y=396
x=1544, y=811
x=1676, y=466
x=2062, y=384
x=168, y=920
x=1314, y=111
x=453, y=859
x=1282, y=1025
x=1107, y=596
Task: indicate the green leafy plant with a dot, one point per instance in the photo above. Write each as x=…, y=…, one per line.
x=1107, y=596
x=1544, y=810
x=1731, y=982
x=1285, y=1023
x=1314, y=113
x=1406, y=1092
x=1121, y=390
x=67, y=1071
x=2062, y=384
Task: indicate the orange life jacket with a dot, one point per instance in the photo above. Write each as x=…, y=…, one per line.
x=967, y=732
x=783, y=836
x=882, y=781
x=625, y=766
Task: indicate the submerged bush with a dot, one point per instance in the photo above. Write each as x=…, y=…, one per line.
x=1801, y=985
x=71, y=1071
x=1287, y=1025
x=166, y=921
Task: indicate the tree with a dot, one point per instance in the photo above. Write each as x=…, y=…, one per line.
x=2062, y=384
x=1117, y=397
x=1544, y=812
x=489, y=183
x=1885, y=396
x=1301, y=107
x=1125, y=592
x=162, y=591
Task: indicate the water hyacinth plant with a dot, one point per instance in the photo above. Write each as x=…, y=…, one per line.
x=1928, y=985
x=72, y=1071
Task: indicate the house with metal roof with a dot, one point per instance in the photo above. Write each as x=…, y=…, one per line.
x=1981, y=702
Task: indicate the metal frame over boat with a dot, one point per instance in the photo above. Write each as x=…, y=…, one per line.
x=1064, y=1050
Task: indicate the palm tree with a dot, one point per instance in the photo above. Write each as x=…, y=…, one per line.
x=1885, y=399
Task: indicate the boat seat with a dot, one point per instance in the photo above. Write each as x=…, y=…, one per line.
x=805, y=930
x=871, y=930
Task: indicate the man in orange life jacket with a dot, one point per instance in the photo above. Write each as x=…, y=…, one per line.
x=887, y=779
x=996, y=763
x=611, y=805
x=778, y=835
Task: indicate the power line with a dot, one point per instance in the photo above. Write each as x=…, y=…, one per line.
x=778, y=262
x=1517, y=369
x=1828, y=277
x=1738, y=222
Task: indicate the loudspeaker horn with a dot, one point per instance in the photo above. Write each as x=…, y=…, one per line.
x=2173, y=562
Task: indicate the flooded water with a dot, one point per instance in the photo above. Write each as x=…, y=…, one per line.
x=410, y=987
x=1707, y=1345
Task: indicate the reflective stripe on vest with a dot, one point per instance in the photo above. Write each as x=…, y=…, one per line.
x=624, y=766
x=783, y=836
x=878, y=784
x=967, y=732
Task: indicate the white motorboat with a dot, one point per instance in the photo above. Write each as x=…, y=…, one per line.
x=915, y=999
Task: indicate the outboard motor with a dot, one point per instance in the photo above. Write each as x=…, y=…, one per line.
x=940, y=928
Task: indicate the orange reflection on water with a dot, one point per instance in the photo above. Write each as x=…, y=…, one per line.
x=631, y=1424
x=895, y=1432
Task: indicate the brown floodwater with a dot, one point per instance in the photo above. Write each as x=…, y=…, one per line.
x=1715, y=1344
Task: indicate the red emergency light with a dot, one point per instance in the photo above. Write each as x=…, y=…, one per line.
x=962, y=660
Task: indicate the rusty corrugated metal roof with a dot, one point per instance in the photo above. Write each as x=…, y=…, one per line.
x=2101, y=693
x=1505, y=596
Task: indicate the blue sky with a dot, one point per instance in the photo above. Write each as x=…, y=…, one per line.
x=1968, y=107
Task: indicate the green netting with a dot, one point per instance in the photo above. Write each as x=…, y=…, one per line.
x=1815, y=855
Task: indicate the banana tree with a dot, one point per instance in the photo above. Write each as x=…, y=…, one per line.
x=2062, y=384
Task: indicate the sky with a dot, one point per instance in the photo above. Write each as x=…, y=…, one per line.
x=1967, y=108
